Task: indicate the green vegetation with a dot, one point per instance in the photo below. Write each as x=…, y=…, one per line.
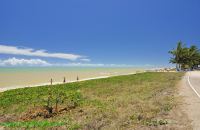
x=121, y=102
x=32, y=124
x=184, y=57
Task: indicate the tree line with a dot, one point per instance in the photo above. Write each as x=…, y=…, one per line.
x=185, y=57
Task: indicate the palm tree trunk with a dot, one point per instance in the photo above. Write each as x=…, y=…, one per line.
x=177, y=68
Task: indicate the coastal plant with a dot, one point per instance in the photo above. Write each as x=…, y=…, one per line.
x=66, y=100
x=53, y=100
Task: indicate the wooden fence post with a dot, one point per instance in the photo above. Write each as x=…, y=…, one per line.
x=51, y=81
x=64, y=80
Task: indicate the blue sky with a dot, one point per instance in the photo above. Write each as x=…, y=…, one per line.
x=132, y=32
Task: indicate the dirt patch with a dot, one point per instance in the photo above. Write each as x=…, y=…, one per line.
x=6, y=118
x=45, y=112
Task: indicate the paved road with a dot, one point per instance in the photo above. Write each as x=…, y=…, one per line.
x=190, y=90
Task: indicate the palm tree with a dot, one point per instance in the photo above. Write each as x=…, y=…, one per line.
x=185, y=57
x=178, y=55
x=192, y=57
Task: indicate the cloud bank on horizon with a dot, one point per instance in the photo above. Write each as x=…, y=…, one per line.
x=42, y=63
x=13, y=61
x=23, y=62
x=17, y=51
x=76, y=60
x=13, y=50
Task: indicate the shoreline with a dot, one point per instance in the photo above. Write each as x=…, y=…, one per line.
x=57, y=83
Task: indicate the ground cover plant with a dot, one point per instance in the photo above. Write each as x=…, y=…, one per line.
x=139, y=101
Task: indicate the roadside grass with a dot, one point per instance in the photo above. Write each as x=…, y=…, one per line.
x=121, y=102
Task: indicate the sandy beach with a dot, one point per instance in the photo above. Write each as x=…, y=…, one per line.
x=27, y=77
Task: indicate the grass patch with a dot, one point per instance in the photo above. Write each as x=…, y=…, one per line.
x=113, y=103
x=31, y=124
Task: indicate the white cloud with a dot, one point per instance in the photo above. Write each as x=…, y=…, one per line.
x=38, y=62
x=79, y=65
x=4, y=49
x=92, y=65
x=85, y=60
x=23, y=62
